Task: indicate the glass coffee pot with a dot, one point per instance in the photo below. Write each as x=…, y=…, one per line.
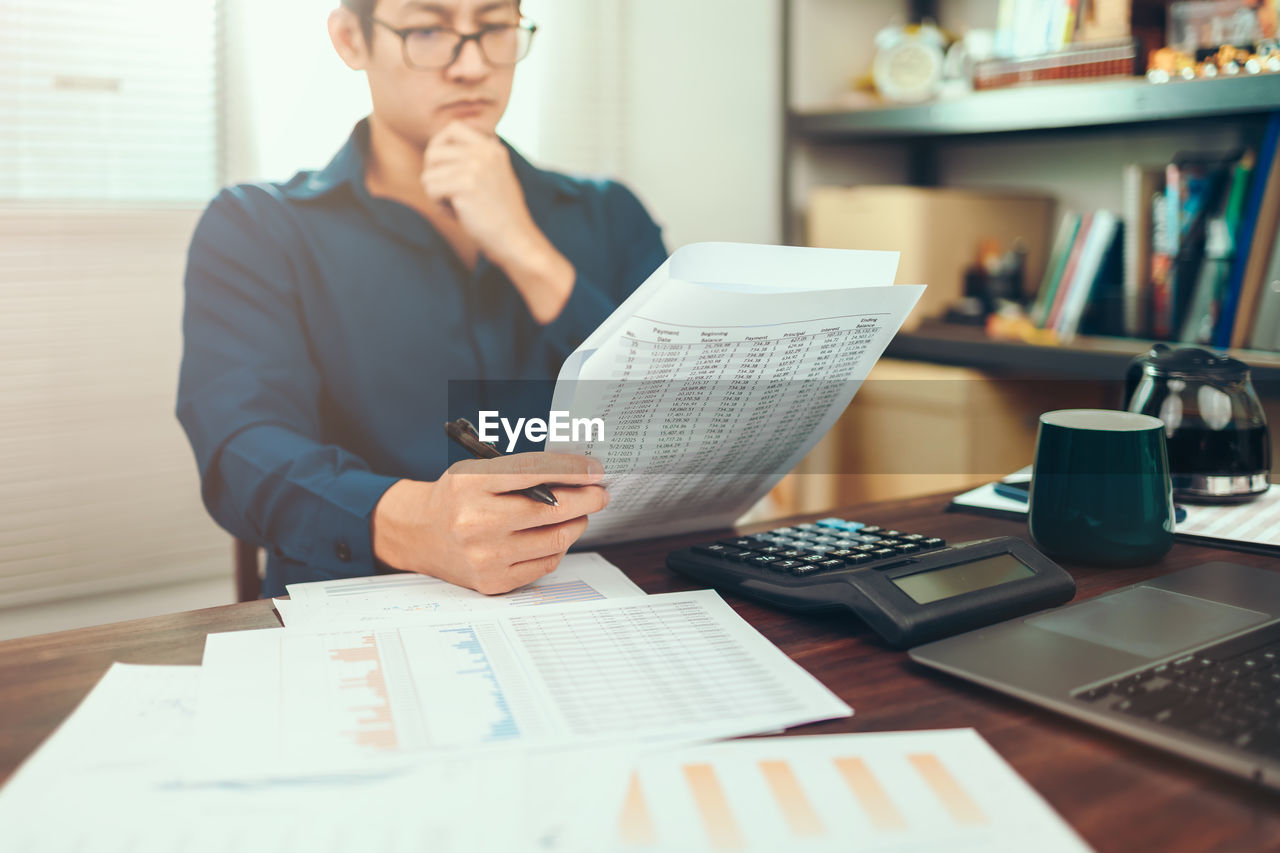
x=1215, y=430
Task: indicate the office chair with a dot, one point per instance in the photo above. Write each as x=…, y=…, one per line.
x=248, y=571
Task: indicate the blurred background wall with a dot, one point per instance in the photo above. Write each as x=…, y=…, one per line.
x=119, y=119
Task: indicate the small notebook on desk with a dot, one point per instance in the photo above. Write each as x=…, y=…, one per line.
x=1252, y=526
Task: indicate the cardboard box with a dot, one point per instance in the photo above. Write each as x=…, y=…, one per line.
x=938, y=232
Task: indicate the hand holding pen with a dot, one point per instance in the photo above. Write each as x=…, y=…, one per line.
x=477, y=526
x=463, y=433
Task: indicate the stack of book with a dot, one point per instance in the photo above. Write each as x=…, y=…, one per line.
x=1194, y=259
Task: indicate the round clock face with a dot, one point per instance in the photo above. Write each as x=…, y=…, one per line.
x=908, y=71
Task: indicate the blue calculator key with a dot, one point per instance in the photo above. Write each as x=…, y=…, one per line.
x=831, y=522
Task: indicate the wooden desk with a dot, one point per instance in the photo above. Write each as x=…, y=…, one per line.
x=1117, y=794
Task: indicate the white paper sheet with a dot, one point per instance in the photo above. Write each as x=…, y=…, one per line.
x=405, y=598
x=674, y=667
x=918, y=791
x=108, y=779
x=1255, y=523
x=720, y=373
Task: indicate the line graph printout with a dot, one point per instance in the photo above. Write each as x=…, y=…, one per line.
x=400, y=598
x=720, y=373
x=919, y=791
x=656, y=669
x=110, y=779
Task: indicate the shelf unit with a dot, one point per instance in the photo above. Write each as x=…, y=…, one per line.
x=1098, y=358
x=1104, y=103
x=921, y=132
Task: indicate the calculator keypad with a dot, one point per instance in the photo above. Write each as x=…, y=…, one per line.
x=827, y=545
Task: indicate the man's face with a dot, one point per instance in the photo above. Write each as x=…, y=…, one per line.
x=418, y=103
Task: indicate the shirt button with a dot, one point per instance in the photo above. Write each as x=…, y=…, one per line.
x=343, y=552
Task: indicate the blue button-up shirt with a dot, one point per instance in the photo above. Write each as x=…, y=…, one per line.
x=322, y=327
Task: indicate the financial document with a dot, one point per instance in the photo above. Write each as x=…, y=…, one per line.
x=110, y=778
x=720, y=373
x=400, y=598
x=918, y=791
x=662, y=668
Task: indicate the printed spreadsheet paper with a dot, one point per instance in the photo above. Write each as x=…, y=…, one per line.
x=282, y=703
x=405, y=598
x=720, y=373
x=110, y=778
x=895, y=791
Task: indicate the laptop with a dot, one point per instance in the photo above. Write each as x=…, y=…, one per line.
x=1188, y=663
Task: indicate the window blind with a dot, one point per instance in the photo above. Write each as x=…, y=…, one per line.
x=108, y=101
x=99, y=491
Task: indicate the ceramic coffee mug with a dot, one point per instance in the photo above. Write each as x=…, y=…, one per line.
x=1100, y=488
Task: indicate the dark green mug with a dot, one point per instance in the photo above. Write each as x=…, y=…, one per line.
x=1100, y=488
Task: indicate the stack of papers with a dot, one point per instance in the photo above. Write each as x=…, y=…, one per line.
x=403, y=713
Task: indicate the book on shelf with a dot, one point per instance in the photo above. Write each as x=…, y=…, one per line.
x=1195, y=192
x=1257, y=221
x=1195, y=258
x=1142, y=183
x=1092, y=276
x=1254, y=260
x=1062, y=243
x=1068, y=273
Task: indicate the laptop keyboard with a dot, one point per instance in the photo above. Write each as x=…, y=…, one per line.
x=1228, y=692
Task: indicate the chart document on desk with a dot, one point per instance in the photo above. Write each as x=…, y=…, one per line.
x=674, y=667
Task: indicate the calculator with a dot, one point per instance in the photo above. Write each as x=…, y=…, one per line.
x=910, y=588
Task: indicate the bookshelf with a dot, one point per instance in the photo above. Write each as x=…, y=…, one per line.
x=1083, y=105
x=1052, y=138
x=1086, y=358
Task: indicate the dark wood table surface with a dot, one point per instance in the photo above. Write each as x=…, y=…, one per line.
x=1117, y=794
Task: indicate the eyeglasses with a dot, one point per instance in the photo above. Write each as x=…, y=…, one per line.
x=432, y=48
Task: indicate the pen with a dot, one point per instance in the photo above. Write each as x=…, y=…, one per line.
x=1021, y=492
x=463, y=433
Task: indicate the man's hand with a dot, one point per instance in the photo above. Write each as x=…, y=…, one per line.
x=470, y=529
x=470, y=173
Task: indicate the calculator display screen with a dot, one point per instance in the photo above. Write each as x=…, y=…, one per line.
x=927, y=587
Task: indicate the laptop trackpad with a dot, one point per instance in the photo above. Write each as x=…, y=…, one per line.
x=1148, y=621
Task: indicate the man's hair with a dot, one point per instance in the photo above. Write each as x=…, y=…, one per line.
x=363, y=9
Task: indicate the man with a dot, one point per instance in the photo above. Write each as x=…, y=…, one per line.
x=325, y=316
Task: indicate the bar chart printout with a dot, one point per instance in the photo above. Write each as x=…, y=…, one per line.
x=940, y=790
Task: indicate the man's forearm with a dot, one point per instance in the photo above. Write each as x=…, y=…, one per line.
x=542, y=276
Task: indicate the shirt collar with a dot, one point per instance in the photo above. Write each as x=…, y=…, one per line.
x=347, y=169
